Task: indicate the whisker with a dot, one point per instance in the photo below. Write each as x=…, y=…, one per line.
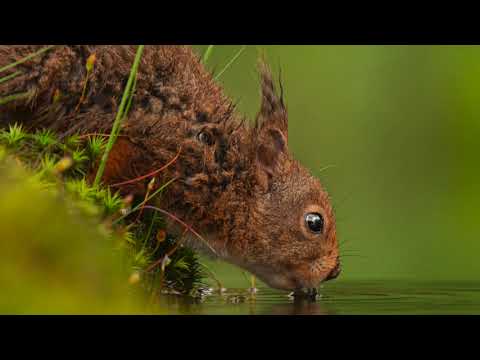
x=344, y=250
x=348, y=249
x=353, y=255
x=326, y=168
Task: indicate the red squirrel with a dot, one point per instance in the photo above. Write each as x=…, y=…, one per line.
x=237, y=184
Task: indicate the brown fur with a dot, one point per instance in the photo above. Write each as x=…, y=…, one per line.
x=237, y=185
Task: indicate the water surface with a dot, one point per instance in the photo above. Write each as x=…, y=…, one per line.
x=354, y=297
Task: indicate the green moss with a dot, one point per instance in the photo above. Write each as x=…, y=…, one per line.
x=60, y=167
x=14, y=136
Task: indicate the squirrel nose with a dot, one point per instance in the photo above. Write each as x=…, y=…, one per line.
x=334, y=272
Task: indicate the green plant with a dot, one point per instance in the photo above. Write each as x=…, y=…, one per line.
x=48, y=163
x=14, y=136
x=72, y=142
x=80, y=188
x=79, y=158
x=24, y=95
x=127, y=94
x=207, y=53
x=45, y=138
x=26, y=58
x=112, y=203
x=89, y=67
x=95, y=145
x=230, y=63
x=18, y=96
x=9, y=77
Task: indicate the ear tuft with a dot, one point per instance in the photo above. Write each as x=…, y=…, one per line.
x=271, y=131
x=273, y=112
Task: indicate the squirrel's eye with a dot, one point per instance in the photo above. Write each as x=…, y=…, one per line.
x=205, y=138
x=314, y=222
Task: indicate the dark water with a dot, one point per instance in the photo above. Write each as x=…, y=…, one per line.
x=359, y=297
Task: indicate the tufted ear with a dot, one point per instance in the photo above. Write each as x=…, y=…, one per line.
x=273, y=113
x=271, y=129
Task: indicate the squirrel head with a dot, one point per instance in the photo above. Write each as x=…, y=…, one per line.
x=293, y=244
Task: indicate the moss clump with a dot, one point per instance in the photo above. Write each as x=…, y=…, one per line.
x=60, y=167
x=54, y=259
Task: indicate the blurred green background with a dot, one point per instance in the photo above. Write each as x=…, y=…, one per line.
x=400, y=128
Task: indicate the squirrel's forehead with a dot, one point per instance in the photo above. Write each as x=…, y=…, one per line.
x=318, y=195
x=309, y=193
x=302, y=183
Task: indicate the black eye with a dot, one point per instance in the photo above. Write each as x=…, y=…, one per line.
x=205, y=138
x=314, y=222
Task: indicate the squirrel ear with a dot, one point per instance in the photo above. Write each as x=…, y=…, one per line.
x=271, y=153
x=271, y=130
x=273, y=113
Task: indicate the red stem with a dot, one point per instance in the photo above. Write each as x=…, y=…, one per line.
x=188, y=227
x=153, y=173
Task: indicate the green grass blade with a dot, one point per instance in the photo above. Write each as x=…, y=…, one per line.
x=9, y=77
x=26, y=58
x=230, y=62
x=207, y=53
x=14, y=97
x=119, y=117
x=132, y=93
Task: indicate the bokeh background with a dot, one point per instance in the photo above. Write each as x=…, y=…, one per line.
x=398, y=128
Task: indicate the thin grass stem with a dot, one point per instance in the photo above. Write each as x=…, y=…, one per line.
x=207, y=53
x=153, y=173
x=13, y=97
x=26, y=58
x=230, y=62
x=120, y=115
x=130, y=100
x=9, y=77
